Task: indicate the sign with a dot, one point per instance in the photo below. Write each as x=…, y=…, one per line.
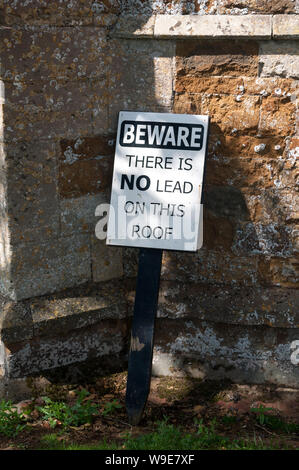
x=157, y=181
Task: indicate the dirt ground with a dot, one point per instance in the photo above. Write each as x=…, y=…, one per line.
x=182, y=400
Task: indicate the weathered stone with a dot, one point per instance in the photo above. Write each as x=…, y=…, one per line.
x=231, y=7
x=207, y=266
x=218, y=232
x=39, y=12
x=225, y=202
x=271, y=239
x=85, y=166
x=252, y=306
x=65, y=79
x=65, y=311
x=78, y=214
x=207, y=26
x=53, y=53
x=106, y=261
x=147, y=84
x=78, y=308
x=277, y=116
x=52, y=265
x=210, y=58
x=276, y=86
x=273, y=205
x=251, y=172
x=209, y=85
x=14, y=389
x=280, y=272
x=130, y=262
x=293, y=151
x=186, y=103
x=232, y=116
x=15, y=321
x=223, y=146
x=279, y=58
x=32, y=207
x=130, y=26
x=285, y=26
x=49, y=110
x=243, y=354
x=46, y=353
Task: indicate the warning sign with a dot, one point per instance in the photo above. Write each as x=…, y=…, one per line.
x=157, y=181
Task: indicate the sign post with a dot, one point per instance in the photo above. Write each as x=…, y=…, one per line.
x=155, y=206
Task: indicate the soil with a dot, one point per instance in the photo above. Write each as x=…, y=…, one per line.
x=184, y=401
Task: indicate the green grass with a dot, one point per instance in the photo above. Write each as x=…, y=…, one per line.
x=270, y=421
x=54, y=442
x=11, y=422
x=167, y=437
x=58, y=412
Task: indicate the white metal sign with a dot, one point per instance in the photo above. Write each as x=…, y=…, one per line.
x=157, y=181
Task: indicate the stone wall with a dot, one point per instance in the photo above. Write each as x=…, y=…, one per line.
x=67, y=68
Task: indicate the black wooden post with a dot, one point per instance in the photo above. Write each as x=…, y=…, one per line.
x=142, y=334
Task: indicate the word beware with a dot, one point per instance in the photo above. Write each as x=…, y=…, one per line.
x=160, y=135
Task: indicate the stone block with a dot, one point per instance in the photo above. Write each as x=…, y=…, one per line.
x=242, y=7
x=141, y=77
x=253, y=172
x=279, y=58
x=239, y=353
x=105, y=339
x=223, y=147
x=32, y=205
x=187, y=103
x=37, y=54
x=211, y=85
x=15, y=322
x=210, y=267
x=77, y=308
x=49, y=266
x=275, y=86
x=131, y=26
x=273, y=205
x=230, y=115
x=54, y=109
x=210, y=26
x=285, y=26
x=107, y=262
x=247, y=306
x=225, y=202
x=280, y=272
x=278, y=116
x=42, y=12
x=216, y=58
x=65, y=311
x=78, y=214
x=270, y=240
x=85, y=166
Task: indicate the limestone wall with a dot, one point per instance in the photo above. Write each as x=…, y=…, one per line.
x=67, y=68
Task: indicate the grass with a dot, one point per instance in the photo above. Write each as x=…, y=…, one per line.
x=55, y=412
x=270, y=421
x=167, y=437
x=65, y=418
x=11, y=422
